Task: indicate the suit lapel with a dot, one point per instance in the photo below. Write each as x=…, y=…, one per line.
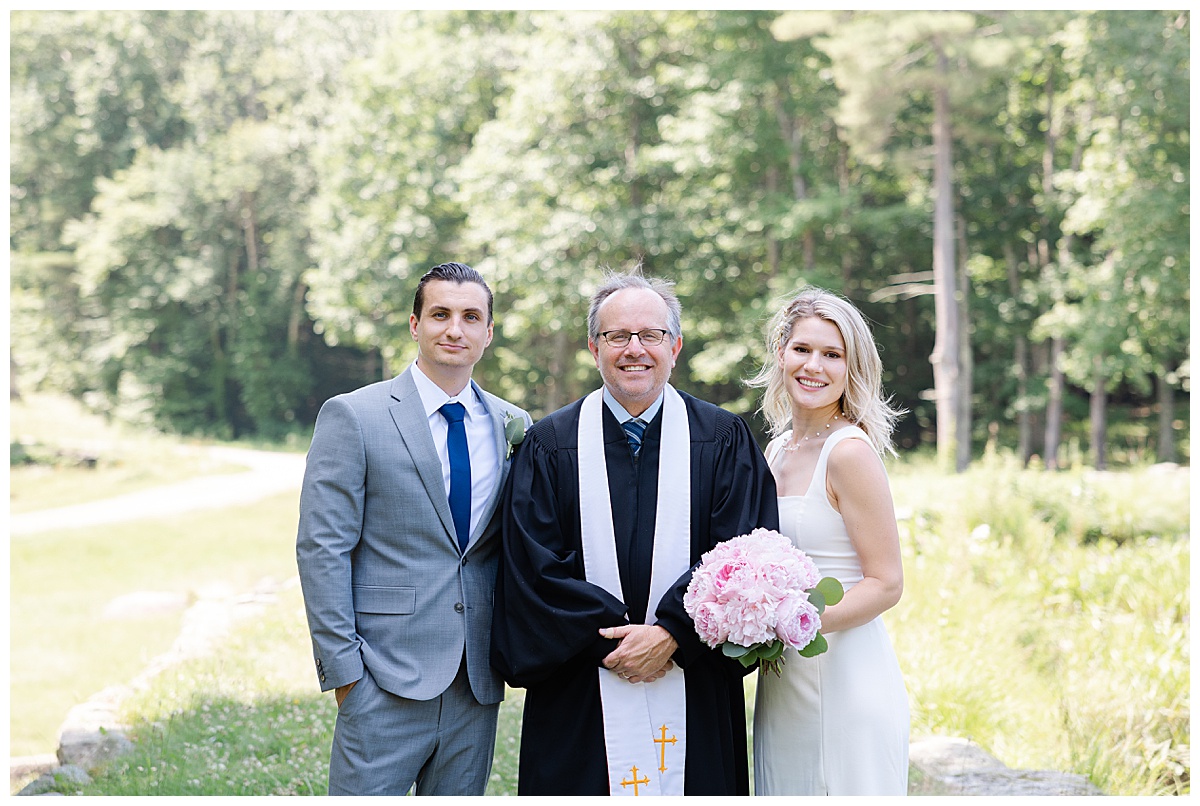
x=408, y=413
x=497, y=415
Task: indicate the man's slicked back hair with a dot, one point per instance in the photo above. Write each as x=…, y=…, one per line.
x=454, y=273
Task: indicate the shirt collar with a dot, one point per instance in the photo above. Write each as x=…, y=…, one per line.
x=622, y=415
x=433, y=397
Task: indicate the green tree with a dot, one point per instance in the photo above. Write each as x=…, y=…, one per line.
x=386, y=208
x=561, y=184
x=1130, y=318
x=189, y=261
x=86, y=91
x=889, y=65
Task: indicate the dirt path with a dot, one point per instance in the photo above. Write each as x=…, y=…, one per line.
x=268, y=474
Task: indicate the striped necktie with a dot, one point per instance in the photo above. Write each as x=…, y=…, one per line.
x=635, y=429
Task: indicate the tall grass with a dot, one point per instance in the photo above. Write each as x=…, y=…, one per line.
x=1046, y=616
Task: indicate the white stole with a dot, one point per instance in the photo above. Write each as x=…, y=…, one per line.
x=645, y=724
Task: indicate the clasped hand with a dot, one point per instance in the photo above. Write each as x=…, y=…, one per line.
x=644, y=654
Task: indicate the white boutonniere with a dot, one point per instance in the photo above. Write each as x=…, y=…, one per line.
x=514, y=431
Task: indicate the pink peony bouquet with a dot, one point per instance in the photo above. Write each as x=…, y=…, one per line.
x=756, y=594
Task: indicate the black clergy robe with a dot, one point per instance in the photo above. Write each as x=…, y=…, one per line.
x=547, y=616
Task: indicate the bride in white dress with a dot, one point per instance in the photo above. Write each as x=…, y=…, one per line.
x=836, y=724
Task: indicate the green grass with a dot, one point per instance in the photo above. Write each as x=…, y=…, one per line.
x=60, y=583
x=248, y=720
x=1045, y=616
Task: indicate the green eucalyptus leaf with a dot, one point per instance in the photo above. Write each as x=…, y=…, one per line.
x=734, y=651
x=773, y=652
x=815, y=647
x=816, y=599
x=514, y=431
x=831, y=589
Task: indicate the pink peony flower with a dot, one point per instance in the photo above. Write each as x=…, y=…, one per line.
x=797, y=621
x=751, y=592
x=709, y=625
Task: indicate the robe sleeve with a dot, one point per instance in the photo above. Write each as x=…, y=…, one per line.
x=546, y=613
x=739, y=496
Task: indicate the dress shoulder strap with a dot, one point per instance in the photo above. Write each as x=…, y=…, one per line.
x=853, y=432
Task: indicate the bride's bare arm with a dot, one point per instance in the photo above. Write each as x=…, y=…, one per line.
x=859, y=489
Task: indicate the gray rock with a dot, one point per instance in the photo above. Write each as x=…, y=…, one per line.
x=961, y=767
x=1022, y=782
x=67, y=774
x=938, y=756
x=39, y=785
x=72, y=774
x=88, y=749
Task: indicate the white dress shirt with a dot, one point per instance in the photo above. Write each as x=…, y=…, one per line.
x=481, y=440
x=623, y=415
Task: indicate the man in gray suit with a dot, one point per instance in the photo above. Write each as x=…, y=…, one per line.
x=397, y=549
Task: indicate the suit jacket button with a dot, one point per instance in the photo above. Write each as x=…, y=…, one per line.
x=458, y=607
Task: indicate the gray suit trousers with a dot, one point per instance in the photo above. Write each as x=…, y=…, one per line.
x=384, y=744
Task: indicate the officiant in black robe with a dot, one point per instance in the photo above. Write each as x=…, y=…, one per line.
x=548, y=617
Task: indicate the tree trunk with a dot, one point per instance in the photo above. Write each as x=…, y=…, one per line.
x=1021, y=364
x=962, y=458
x=250, y=233
x=1166, y=420
x=1056, y=381
x=945, y=349
x=793, y=135
x=1054, y=398
x=219, y=377
x=296, y=316
x=1099, y=414
x=773, y=250
x=1039, y=363
x=843, y=175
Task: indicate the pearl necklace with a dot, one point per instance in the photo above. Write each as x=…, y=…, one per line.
x=796, y=443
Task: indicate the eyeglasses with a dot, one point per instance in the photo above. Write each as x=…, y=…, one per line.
x=650, y=337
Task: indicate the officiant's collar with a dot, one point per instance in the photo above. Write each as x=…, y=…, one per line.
x=622, y=415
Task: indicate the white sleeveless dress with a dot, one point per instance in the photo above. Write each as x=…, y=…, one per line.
x=836, y=724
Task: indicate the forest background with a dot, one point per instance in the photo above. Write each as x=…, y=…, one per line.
x=217, y=219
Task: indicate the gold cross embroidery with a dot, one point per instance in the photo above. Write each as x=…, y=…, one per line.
x=635, y=782
x=662, y=750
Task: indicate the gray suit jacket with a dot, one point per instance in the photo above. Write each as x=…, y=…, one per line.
x=385, y=584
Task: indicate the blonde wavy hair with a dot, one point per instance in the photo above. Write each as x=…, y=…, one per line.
x=863, y=402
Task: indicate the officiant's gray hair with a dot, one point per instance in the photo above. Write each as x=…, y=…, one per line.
x=614, y=282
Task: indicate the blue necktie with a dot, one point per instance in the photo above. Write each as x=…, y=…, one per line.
x=460, y=471
x=635, y=429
